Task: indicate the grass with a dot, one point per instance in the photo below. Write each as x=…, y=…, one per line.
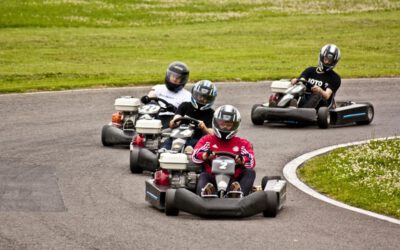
x=63, y=44
x=366, y=176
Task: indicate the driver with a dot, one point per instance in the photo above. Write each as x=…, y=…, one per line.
x=324, y=82
x=226, y=122
x=204, y=93
x=172, y=90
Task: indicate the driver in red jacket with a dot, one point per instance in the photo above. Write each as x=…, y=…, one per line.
x=226, y=122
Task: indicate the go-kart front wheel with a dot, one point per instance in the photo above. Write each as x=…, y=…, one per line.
x=272, y=204
x=170, y=209
x=104, y=136
x=265, y=179
x=257, y=120
x=370, y=113
x=323, y=117
x=134, y=161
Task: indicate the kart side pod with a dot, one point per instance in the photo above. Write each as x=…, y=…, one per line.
x=173, y=161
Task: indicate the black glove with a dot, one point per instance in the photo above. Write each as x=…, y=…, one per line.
x=239, y=159
x=171, y=108
x=145, y=99
x=209, y=154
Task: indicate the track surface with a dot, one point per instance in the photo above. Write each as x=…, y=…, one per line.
x=61, y=189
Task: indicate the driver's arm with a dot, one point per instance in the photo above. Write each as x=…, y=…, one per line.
x=172, y=123
x=152, y=94
x=204, y=128
x=326, y=94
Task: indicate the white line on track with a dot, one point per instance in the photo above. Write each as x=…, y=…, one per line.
x=289, y=171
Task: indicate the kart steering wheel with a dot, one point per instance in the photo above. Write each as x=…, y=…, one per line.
x=224, y=153
x=159, y=100
x=186, y=120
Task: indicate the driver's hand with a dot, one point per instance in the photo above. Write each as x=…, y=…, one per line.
x=170, y=107
x=208, y=155
x=145, y=99
x=293, y=81
x=239, y=160
x=172, y=124
x=202, y=126
x=316, y=89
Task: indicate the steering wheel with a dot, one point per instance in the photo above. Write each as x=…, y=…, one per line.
x=186, y=120
x=159, y=100
x=224, y=153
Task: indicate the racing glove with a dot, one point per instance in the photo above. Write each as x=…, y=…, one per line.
x=145, y=99
x=171, y=108
x=208, y=155
x=239, y=160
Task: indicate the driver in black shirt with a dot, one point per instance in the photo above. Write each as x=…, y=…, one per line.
x=204, y=93
x=323, y=81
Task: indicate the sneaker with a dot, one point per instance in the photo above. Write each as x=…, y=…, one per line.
x=235, y=191
x=235, y=186
x=208, y=190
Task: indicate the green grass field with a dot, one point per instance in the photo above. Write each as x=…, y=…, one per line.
x=366, y=176
x=63, y=44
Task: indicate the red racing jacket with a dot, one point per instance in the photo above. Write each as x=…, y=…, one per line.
x=236, y=145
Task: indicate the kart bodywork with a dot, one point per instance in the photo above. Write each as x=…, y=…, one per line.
x=122, y=126
x=267, y=199
x=337, y=113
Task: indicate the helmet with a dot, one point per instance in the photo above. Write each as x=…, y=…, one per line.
x=226, y=122
x=329, y=56
x=204, y=93
x=176, y=76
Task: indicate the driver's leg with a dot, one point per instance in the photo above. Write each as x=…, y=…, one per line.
x=246, y=180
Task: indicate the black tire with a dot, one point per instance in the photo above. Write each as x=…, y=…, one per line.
x=254, y=119
x=272, y=204
x=371, y=114
x=170, y=209
x=265, y=179
x=104, y=136
x=323, y=117
x=134, y=161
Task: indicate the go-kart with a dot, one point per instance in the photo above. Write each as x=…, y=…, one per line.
x=123, y=125
x=144, y=149
x=267, y=199
x=283, y=108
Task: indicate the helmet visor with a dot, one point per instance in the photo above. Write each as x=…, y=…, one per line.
x=226, y=125
x=203, y=96
x=328, y=59
x=174, y=78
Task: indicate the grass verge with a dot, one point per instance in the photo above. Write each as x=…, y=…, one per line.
x=366, y=176
x=63, y=44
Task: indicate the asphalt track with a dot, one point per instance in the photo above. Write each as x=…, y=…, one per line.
x=61, y=189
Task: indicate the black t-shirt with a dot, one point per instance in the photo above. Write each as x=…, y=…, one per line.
x=186, y=108
x=329, y=79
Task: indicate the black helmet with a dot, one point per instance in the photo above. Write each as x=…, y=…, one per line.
x=226, y=122
x=176, y=76
x=329, y=56
x=204, y=93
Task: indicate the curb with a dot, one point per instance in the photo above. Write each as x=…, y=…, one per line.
x=289, y=171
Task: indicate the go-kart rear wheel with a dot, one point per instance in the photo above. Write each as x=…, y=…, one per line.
x=170, y=209
x=265, y=179
x=323, y=117
x=134, y=161
x=370, y=113
x=104, y=136
x=272, y=204
x=257, y=120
